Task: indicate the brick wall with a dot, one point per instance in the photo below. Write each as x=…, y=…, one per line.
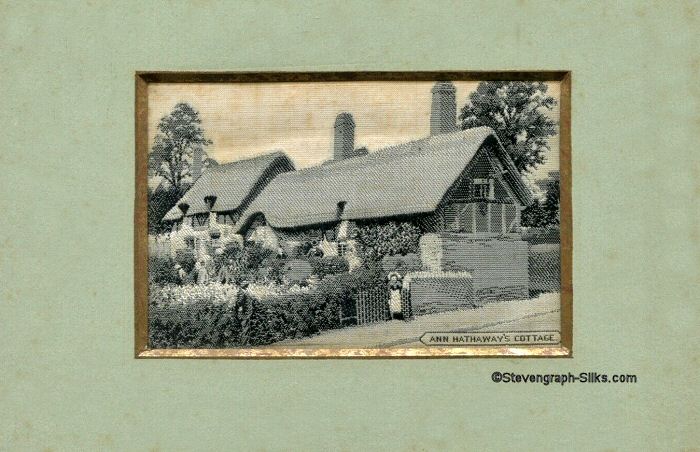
x=499, y=266
x=439, y=292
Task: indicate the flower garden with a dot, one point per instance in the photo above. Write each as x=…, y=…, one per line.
x=291, y=296
x=302, y=294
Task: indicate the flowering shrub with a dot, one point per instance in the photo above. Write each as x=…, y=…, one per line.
x=268, y=290
x=215, y=294
x=329, y=265
x=374, y=241
x=206, y=315
x=229, y=251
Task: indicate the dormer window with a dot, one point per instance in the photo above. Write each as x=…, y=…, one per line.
x=210, y=201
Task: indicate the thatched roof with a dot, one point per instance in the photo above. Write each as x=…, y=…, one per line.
x=231, y=183
x=406, y=179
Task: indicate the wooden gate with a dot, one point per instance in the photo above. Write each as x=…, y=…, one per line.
x=372, y=306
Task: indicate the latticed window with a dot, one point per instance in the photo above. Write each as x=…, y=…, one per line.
x=200, y=220
x=342, y=248
x=482, y=188
x=227, y=218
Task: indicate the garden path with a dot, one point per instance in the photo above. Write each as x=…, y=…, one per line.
x=536, y=314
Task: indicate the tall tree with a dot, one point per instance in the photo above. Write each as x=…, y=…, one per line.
x=544, y=212
x=551, y=202
x=160, y=201
x=516, y=111
x=179, y=135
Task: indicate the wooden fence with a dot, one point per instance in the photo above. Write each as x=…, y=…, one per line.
x=406, y=307
x=372, y=306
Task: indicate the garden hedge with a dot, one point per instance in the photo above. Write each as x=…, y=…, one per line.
x=204, y=316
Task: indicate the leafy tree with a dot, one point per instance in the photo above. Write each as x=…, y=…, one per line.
x=551, y=203
x=534, y=216
x=544, y=212
x=160, y=201
x=179, y=135
x=516, y=111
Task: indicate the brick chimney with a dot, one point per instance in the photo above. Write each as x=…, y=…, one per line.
x=344, y=138
x=443, y=112
x=196, y=169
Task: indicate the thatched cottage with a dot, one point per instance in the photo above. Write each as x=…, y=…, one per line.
x=452, y=181
x=460, y=182
x=459, y=186
x=227, y=190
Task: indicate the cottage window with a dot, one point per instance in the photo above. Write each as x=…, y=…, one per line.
x=342, y=248
x=482, y=189
x=227, y=218
x=201, y=220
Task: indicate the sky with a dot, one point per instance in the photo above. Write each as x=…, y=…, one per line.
x=248, y=119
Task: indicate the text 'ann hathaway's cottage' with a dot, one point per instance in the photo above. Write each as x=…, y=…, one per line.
x=460, y=187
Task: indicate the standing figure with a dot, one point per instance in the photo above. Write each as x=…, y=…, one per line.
x=244, y=313
x=201, y=272
x=209, y=266
x=395, y=286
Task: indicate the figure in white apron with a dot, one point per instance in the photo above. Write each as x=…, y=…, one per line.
x=200, y=269
x=395, y=286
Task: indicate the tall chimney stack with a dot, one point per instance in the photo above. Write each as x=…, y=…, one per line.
x=443, y=112
x=344, y=138
x=196, y=168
